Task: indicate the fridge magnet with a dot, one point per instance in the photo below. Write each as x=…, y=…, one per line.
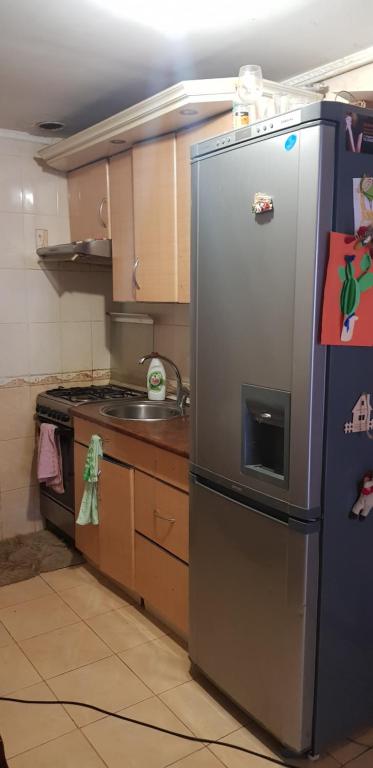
x=262, y=203
x=364, y=237
x=364, y=504
x=359, y=133
x=347, y=316
x=363, y=201
x=361, y=416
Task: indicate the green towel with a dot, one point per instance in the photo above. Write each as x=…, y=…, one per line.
x=88, y=513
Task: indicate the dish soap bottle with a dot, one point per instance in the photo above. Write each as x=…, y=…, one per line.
x=156, y=380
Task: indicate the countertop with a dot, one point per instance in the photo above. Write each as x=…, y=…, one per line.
x=171, y=434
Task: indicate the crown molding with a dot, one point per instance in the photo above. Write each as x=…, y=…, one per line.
x=171, y=110
x=332, y=69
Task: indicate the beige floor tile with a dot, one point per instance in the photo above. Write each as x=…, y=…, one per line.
x=123, y=744
x=199, y=711
x=91, y=600
x=107, y=683
x=66, y=578
x=364, y=737
x=15, y=670
x=363, y=761
x=37, y=616
x=235, y=759
x=125, y=628
x=158, y=664
x=5, y=638
x=202, y=759
x=23, y=591
x=347, y=751
x=70, y=751
x=64, y=649
x=24, y=726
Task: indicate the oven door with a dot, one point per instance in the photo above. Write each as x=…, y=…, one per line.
x=58, y=508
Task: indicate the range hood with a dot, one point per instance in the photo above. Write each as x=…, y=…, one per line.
x=80, y=251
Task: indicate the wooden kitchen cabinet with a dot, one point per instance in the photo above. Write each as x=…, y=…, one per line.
x=122, y=222
x=142, y=540
x=86, y=536
x=116, y=526
x=154, y=205
x=110, y=544
x=88, y=189
x=184, y=141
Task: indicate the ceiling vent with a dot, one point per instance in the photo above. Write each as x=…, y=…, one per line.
x=50, y=125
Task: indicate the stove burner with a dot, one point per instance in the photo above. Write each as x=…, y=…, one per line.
x=92, y=393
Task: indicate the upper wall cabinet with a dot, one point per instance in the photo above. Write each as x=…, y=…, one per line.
x=89, y=201
x=121, y=219
x=154, y=205
x=184, y=141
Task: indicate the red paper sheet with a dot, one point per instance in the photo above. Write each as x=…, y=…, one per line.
x=332, y=318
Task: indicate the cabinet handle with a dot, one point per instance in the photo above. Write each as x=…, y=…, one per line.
x=100, y=212
x=162, y=517
x=136, y=264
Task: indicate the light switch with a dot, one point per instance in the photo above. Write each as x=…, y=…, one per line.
x=41, y=238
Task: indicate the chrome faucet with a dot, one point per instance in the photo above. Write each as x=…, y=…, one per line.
x=181, y=391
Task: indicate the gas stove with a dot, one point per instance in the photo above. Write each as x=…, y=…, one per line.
x=55, y=404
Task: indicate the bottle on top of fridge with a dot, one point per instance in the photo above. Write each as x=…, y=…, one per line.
x=156, y=380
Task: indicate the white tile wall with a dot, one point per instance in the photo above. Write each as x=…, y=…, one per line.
x=14, y=355
x=45, y=348
x=13, y=302
x=169, y=336
x=43, y=298
x=76, y=343
x=52, y=321
x=101, y=344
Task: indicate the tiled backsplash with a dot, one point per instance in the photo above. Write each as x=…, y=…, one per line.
x=169, y=336
x=53, y=326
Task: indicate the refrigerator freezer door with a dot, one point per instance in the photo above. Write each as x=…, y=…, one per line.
x=253, y=606
x=257, y=284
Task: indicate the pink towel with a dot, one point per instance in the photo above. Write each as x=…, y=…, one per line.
x=49, y=458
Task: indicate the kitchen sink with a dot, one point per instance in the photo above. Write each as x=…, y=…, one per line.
x=142, y=410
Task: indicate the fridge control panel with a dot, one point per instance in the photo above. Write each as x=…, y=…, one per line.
x=277, y=123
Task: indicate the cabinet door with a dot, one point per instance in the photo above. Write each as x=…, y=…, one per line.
x=116, y=511
x=163, y=581
x=89, y=201
x=121, y=219
x=184, y=141
x=154, y=194
x=86, y=536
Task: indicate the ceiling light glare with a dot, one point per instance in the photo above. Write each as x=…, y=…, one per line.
x=176, y=19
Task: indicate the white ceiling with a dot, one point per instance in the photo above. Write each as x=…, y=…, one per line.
x=71, y=60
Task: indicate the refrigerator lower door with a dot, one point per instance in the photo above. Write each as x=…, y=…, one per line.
x=253, y=611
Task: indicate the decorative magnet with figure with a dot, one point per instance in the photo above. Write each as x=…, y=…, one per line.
x=262, y=203
x=364, y=504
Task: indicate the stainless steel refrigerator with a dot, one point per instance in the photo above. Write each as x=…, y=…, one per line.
x=281, y=579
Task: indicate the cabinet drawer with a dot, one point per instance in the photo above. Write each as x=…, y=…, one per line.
x=164, y=464
x=163, y=582
x=162, y=514
x=121, y=447
x=172, y=468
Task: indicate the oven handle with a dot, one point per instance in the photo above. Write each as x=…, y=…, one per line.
x=61, y=430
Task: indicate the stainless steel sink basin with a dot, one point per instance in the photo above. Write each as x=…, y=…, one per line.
x=142, y=410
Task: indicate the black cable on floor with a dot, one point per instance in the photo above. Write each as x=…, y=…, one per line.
x=185, y=736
